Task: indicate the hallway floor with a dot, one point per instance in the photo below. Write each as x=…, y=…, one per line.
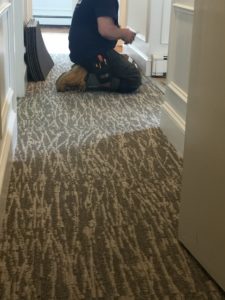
x=56, y=39
x=93, y=203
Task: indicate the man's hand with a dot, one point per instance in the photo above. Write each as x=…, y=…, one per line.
x=110, y=31
x=128, y=35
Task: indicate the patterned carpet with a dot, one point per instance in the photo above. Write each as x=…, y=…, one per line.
x=93, y=203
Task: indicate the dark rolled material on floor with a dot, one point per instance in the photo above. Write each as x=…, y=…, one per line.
x=38, y=60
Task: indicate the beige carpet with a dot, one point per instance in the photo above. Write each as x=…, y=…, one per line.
x=93, y=203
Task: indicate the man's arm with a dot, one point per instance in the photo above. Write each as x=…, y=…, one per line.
x=110, y=31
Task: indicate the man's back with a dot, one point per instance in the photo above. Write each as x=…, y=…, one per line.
x=85, y=41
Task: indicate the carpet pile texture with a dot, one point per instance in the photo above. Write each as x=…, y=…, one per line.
x=93, y=203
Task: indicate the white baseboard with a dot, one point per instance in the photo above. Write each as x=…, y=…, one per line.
x=173, y=126
x=8, y=144
x=54, y=21
x=142, y=60
x=21, y=79
x=177, y=99
x=7, y=149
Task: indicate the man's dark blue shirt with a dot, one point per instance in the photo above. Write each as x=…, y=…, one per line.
x=85, y=42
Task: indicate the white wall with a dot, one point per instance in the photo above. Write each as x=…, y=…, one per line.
x=134, y=12
x=173, y=116
x=21, y=15
x=28, y=4
x=202, y=221
x=152, y=20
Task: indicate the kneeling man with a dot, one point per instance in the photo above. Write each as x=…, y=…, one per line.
x=93, y=35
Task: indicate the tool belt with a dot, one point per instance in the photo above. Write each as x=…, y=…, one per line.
x=101, y=69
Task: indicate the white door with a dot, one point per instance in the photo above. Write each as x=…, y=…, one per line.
x=53, y=12
x=202, y=217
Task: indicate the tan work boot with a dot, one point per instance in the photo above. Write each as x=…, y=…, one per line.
x=75, y=78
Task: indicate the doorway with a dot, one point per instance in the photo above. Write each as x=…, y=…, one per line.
x=53, y=12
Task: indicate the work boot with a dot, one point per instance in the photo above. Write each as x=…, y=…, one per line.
x=75, y=78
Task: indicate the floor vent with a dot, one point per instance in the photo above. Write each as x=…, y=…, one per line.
x=159, y=66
